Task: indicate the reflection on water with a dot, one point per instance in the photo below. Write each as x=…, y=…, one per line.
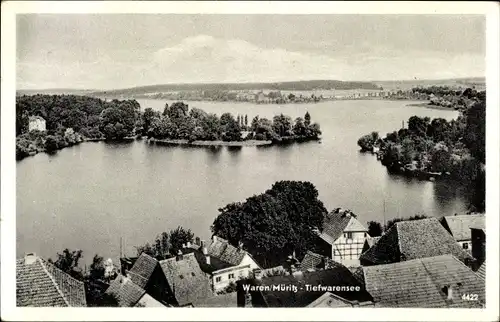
x=88, y=196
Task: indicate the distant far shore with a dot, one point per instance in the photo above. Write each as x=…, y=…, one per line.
x=211, y=143
x=433, y=106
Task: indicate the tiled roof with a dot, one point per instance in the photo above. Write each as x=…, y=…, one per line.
x=315, y=261
x=148, y=301
x=126, y=292
x=338, y=221
x=225, y=252
x=41, y=284
x=459, y=225
x=421, y=282
x=481, y=272
x=331, y=300
x=408, y=240
x=337, y=276
x=186, y=279
x=142, y=270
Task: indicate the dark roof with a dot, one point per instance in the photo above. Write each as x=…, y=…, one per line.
x=126, y=292
x=315, y=261
x=222, y=250
x=421, y=282
x=186, y=279
x=414, y=239
x=337, y=276
x=41, y=284
x=336, y=222
x=459, y=225
x=142, y=270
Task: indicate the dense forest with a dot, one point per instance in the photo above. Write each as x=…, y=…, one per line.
x=178, y=122
x=454, y=149
x=71, y=119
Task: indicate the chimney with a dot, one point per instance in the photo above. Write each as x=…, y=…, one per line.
x=214, y=239
x=179, y=255
x=257, y=273
x=202, y=244
x=448, y=291
x=207, y=257
x=197, y=241
x=29, y=258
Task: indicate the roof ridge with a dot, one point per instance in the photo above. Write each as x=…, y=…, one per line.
x=53, y=280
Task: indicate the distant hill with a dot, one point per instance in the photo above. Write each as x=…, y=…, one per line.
x=479, y=82
x=55, y=91
x=285, y=86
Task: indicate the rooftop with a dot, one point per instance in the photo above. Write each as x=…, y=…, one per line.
x=186, y=279
x=459, y=225
x=424, y=283
x=338, y=276
x=127, y=293
x=331, y=300
x=315, y=261
x=225, y=252
x=142, y=270
x=414, y=239
x=41, y=284
x=338, y=221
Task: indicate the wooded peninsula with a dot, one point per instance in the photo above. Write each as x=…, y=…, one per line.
x=46, y=123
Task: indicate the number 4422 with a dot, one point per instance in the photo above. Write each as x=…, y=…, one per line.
x=469, y=297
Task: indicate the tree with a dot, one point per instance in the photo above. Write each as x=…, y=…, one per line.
x=374, y=229
x=274, y=224
x=211, y=127
x=97, y=268
x=51, y=143
x=146, y=248
x=255, y=123
x=178, y=237
x=67, y=261
x=246, y=120
x=475, y=131
x=299, y=127
x=282, y=125
x=162, y=246
x=307, y=119
x=148, y=117
x=391, y=223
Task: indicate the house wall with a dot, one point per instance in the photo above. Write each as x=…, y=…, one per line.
x=36, y=124
x=347, y=250
x=223, y=277
x=465, y=245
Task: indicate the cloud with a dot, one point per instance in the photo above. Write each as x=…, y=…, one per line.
x=204, y=58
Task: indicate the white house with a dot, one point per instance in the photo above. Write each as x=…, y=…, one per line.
x=36, y=123
x=459, y=227
x=224, y=262
x=343, y=236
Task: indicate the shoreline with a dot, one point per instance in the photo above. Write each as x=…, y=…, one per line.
x=210, y=143
x=431, y=106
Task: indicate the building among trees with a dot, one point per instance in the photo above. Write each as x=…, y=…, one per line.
x=36, y=123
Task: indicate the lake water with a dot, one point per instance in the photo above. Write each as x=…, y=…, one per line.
x=88, y=196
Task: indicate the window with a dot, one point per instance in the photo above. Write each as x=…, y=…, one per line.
x=465, y=245
x=231, y=276
x=349, y=235
x=218, y=279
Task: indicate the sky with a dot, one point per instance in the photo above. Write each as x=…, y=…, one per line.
x=110, y=51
